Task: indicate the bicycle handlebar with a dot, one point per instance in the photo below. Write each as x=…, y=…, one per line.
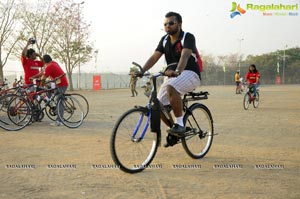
x=136, y=64
x=148, y=74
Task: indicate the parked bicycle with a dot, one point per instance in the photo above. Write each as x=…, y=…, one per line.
x=29, y=107
x=249, y=97
x=137, y=134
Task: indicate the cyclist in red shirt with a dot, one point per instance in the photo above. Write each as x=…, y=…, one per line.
x=252, y=77
x=30, y=65
x=53, y=70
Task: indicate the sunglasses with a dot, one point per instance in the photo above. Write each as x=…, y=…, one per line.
x=170, y=23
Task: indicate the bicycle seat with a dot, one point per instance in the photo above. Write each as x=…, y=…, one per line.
x=193, y=96
x=197, y=94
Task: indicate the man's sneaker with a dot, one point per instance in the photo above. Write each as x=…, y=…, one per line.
x=177, y=130
x=56, y=123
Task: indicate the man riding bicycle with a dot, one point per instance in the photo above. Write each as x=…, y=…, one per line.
x=184, y=75
x=252, y=77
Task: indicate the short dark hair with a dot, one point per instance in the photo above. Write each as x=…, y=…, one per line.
x=175, y=14
x=29, y=52
x=47, y=58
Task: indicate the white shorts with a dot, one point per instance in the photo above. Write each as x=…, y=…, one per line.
x=186, y=82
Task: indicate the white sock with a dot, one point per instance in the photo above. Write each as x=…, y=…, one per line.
x=179, y=120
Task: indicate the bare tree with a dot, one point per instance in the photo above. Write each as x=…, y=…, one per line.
x=233, y=60
x=37, y=19
x=70, y=41
x=59, y=30
x=9, y=35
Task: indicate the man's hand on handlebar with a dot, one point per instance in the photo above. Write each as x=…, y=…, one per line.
x=138, y=74
x=171, y=73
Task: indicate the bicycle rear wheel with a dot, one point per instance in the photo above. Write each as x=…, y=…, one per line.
x=70, y=111
x=256, y=101
x=17, y=115
x=199, y=131
x=130, y=151
x=246, y=101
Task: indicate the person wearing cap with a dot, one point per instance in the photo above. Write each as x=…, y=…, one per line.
x=31, y=65
x=54, y=71
x=238, y=82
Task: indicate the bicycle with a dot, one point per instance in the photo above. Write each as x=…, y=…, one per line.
x=133, y=147
x=249, y=97
x=26, y=108
x=5, y=90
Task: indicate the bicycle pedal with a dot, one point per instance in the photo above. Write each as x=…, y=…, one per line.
x=171, y=140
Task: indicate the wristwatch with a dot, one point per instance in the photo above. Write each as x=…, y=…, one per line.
x=178, y=71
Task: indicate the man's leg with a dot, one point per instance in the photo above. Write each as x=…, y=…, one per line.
x=136, y=93
x=184, y=83
x=60, y=90
x=175, y=101
x=163, y=98
x=132, y=90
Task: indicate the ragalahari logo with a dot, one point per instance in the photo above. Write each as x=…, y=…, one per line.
x=236, y=10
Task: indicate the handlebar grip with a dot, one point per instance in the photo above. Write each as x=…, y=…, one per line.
x=136, y=64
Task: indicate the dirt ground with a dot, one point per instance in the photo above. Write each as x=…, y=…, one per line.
x=263, y=142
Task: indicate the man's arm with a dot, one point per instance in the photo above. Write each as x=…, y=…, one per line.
x=185, y=55
x=25, y=49
x=40, y=57
x=40, y=74
x=152, y=60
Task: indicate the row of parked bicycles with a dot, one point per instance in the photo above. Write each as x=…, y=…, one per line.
x=23, y=105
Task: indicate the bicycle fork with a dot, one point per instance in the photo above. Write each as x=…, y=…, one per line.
x=153, y=119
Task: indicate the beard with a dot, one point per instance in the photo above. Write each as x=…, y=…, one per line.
x=173, y=32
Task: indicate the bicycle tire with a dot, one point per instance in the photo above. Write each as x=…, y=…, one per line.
x=199, y=131
x=256, y=100
x=246, y=101
x=70, y=111
x=37, y=113
x=51, y=112
x=130, y=154
x=84, y=103
x=18, y=114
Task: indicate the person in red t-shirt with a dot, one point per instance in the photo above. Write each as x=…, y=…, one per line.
x=53, y=70
x=252, y=77
x=30, y=65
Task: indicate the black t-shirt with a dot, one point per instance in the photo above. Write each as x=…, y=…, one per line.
x=173, y=51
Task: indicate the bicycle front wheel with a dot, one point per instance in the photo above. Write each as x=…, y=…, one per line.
x=132, y=145
x=256, y=101
x=246, y=101
x=199, y=131
x=70, y=111
x=84, y=103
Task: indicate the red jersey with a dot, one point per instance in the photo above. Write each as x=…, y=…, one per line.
x=31, y=68
x=53, y=70
x=251, y=77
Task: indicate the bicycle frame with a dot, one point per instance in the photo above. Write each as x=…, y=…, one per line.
x=154, y=105
x=153, y=102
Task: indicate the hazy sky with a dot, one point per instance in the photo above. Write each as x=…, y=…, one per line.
x=129, y=30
